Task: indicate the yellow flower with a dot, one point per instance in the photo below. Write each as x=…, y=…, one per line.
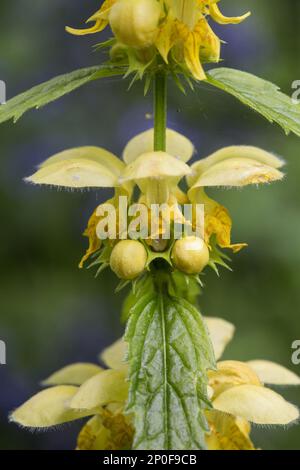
x=177, y=26
x=100, y=20
x=234, y=166
x=86, y=390
x=157, y=175
x=78, y=391
x=238, y=397
x=94, y=241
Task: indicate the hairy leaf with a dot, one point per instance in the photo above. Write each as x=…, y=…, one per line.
x=169, y=353
x=260, y=95
x=44, y=93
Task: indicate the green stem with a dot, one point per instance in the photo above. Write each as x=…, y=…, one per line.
x=160, y=111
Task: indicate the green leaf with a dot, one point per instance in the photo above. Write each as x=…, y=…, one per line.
x=169, y=353
x=260, y=95
x=43, y=94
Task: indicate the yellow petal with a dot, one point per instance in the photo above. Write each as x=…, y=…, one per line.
x=259, y=405
x=93, y=435
x=217, y=221
x=94, y=241
x=166, y=37
x=191, y=42
x=233, y=152
x=221, y=333
x=177, y=145
x=155, y=165
x=106, y=387
x=210, y=44
x=227, y=432
x=237, y=172
x=100, y=18
x=79, y=168
x=113, y=356
x=48, y=408
x=221, y=19
x=103, y=12
x=185, y=11
x=74, y=374
x=106, y=432
x=272, y=373
x=93, y=154
x=96, y=28
x=230, y=374
x=77, y=173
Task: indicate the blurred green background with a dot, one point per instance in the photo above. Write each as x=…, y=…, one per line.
x=53, y=313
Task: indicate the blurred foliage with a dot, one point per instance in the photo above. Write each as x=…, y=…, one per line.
x=51, y=312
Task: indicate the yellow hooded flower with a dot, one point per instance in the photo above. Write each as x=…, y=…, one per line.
x=78, y=391
x=157, y=175
x=177, y=26
x=86, y=390
x=234, y=166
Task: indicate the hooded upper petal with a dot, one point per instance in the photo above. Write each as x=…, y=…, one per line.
x=74, y=374
x=221, y=333
x=230, y=374
x=237, y=172
x=114, y=356
x=176, y=144
x=236, y=165
x=106, y=387
x=155, y=165
x=79, y=168
x=49, y=408
x=259, y=405
x=272, y=373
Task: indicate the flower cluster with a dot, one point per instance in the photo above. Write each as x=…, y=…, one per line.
x=176, y=30
x=236, y=389
x=157, y=176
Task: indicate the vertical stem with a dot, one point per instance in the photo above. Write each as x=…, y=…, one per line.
x=160, y=111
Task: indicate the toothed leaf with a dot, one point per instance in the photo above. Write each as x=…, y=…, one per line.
x=169, y=354
x=260, y=95
x=51, y=90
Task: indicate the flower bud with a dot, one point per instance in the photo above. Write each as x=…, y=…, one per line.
x=135, y=22
x=190, y=255
x=128, y=259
